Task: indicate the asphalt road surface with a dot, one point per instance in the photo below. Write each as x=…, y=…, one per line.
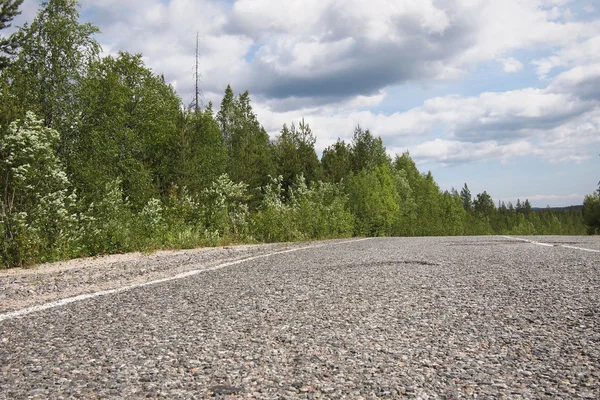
x=486, y=317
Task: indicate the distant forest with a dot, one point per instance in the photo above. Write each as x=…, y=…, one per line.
x=99, y=155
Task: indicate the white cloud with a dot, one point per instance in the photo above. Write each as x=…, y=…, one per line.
x=583, y=81
x=573, y=141
x=511, y=64
x=332, y=62
x=581, y=53
x=326, y=50
x=448, y=152
x=550, y=123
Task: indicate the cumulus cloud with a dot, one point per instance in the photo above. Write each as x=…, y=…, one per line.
x=580, y=53
x=332, y=62
x=558, y=124
x=451, y=152
x=328, y=51
x=511, y=64
x=582, y=81
x=566, y=140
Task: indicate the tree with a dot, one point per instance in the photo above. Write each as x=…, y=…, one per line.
x=246, y=140
x=55, y=55
x=484, y=205
x=9, y=9
x=294, y=155
x=336, y=161
x=427, y=198
x=453, y=213
x=367, y=152
x=465, y=196
x=591, y=213
x=527, y=207
x=204, y=155
x=405, y=163
x=227, y=117
x=127, y=129
x=374, y=201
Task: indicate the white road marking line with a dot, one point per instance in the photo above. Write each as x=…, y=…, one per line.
x=68, y=300
x=529, y=241
x=580, y=248
x=552, y=245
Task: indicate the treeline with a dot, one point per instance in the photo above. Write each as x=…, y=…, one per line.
x=99, y=155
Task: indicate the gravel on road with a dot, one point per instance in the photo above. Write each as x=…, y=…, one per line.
x=423, y=318
x=25, y=287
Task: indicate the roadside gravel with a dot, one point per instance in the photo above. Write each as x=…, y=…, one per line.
x=422, y=318
x=24, y=287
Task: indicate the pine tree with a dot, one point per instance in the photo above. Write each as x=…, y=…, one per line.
x=465, y=196
x=204, y=157
x=367, y=152
x=226, y=117
x=294, y=155
x=336, y=161
x=9, y=9
x=484, y=205
x=247, y=142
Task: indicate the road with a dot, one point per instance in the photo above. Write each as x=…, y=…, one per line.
x=379, y=318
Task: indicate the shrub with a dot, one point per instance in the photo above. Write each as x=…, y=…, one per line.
x=37, y=213
x=106, y=226
x=226, y=209
x=591, y=213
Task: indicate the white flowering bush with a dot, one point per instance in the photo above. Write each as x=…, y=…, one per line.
x=106, y=226
x=37, y=210
x=276, y=221
x=151, y=216
x=182, y=220
x=226, y=208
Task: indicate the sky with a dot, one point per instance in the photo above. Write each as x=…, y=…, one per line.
x=501, y=95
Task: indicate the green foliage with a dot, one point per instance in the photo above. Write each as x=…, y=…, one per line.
x=36, y=209
x=336, y=161
x=127, y=130
x=484, y=205
x=226, y=210
x=183, y=217
x=427, y=199
x=406, y=218
x=303, y=213
x=321, y=210
x=466, y=199
x=591, y=213
x=247, y=142
x=374, y=201
x=275, y=221
x=55, y=53
x=294, y=154
x=107, y=226
x=203, y=151
x=454, y=215
x=367, y=152
x=8, y=45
